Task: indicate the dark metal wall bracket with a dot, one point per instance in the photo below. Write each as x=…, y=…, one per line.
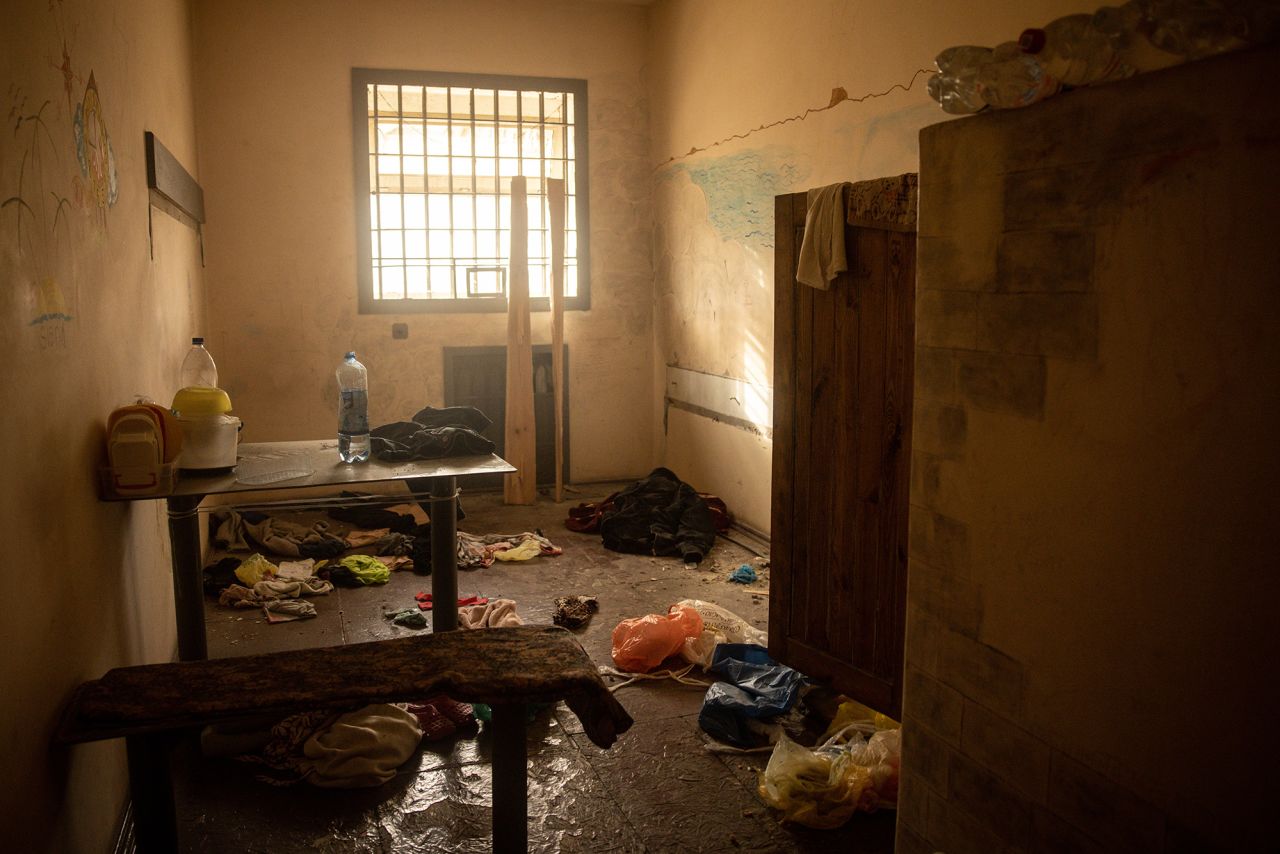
x=172, y=190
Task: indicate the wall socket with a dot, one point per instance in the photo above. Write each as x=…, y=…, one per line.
x=399, y=331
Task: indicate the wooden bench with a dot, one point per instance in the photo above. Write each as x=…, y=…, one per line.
x=151, y=705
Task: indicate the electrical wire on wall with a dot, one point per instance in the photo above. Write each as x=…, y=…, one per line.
x=838, y=96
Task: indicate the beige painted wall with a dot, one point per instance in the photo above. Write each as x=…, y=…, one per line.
x=273, y=101
x=87, y=319
x=1092, y=579
x=718, y=68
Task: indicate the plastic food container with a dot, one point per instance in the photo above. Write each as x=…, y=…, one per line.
x=271, y=468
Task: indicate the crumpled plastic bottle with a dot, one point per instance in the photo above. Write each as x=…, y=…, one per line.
x=1014, y=79
x=955, y=86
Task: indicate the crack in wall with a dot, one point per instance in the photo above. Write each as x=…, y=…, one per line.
x=838, y=96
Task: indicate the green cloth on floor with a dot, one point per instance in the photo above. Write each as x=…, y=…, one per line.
x=366, y=570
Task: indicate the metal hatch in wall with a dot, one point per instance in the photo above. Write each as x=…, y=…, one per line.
x=477, y=376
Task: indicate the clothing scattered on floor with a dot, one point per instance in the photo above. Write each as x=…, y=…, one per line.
x=441, y=717
x=410, y=618
x=394, y=562
x=744, y=574
x=372, y=518
x=412, y=509
x=362, y=537
x=432, y=434
x=574, y=612
x=480, y=550
x=395, y=543
x=659, y=515
x=425, y=602
x=247, y=531
x=288, y=610
x=358, y=571
x=493, y=614
x=297, y=570
x=255, y=568
x=218, y=576
x=362, y=748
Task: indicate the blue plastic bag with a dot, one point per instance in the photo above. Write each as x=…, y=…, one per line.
x=755, y=686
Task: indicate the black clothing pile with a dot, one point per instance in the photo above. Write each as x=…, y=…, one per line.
x=433, y=433
x=660, y=515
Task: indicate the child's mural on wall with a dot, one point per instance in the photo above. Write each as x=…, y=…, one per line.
x=713, y=257
x=46, y=199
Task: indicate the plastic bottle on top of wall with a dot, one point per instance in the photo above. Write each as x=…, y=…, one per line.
x=198, y=368
x=1128, y=29
x=955, y=86
x=1014, y=79
x=353, y=411
x=1073, y=52
x=1196, y=28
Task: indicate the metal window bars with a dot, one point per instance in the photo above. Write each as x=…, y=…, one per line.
x=441, y=159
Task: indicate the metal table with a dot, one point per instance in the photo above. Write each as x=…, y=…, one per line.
x=438, y=477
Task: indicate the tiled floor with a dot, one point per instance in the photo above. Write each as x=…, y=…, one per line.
x=656, y=790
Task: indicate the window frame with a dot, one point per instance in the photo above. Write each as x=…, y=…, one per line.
x=361, y=78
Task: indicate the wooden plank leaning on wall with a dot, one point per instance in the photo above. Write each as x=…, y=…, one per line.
x=521, y=487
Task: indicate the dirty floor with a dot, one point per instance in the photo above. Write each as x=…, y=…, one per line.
x=656, y=790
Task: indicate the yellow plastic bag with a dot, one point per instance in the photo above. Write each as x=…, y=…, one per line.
x=823, y=787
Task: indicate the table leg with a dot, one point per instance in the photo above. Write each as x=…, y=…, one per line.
x=188, y=587
x=155, y=819
x=444, y=554
x=510, y=780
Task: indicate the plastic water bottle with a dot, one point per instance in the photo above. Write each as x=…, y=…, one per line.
x=353, y=411
x=1014, y=79
x=1128, y=29
x=1195, y=28
x=198, y=368
x=1073, y=52
x=955, y=86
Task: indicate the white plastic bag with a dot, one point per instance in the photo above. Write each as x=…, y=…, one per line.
x=719, y=625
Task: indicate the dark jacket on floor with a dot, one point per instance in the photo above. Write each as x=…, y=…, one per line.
x=659, y=515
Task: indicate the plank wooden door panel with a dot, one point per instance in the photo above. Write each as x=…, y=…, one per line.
x=841, y=456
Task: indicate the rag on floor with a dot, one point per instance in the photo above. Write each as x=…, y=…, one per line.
x=822, y=250
x=573, y=612
x=357, y=749
x=495, y=614
x=362, y=748
x=480, y=550
x=363, y=537
x=246, y=531
x=358, y=571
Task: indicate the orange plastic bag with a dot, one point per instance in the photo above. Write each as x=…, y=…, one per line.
x=642, y=643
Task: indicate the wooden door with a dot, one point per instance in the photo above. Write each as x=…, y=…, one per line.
x=841, y=461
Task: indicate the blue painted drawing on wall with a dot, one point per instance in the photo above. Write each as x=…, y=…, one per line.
x=740, y=189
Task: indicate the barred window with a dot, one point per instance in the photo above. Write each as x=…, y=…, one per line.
x=435, y=154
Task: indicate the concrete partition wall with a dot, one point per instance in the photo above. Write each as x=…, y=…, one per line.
x=1092, y=583
x=730, y=81
x=91, y=314
x=274, y=110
